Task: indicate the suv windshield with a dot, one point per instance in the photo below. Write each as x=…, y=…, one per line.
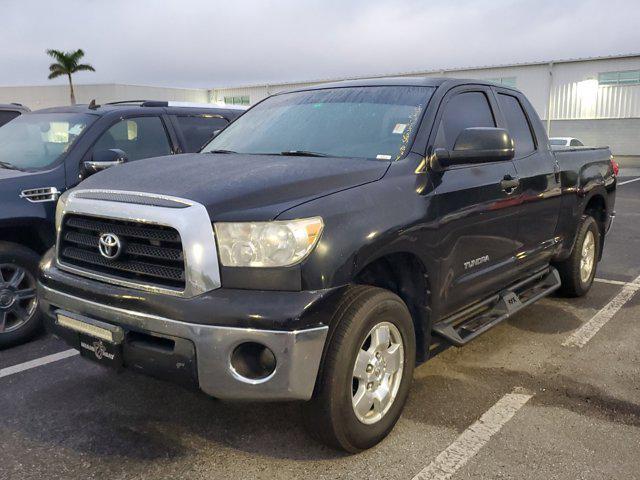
x=36, y=140
x=364, y=122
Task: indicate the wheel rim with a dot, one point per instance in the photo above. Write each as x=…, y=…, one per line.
x=377, y=373
x=18, y=301
x=588, y=257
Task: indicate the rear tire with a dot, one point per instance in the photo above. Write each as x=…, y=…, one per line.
x=20, y=318
x=578, y=271
x=367, y=370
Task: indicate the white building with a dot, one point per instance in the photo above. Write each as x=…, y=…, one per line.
x=45, y=96
x=594, y=99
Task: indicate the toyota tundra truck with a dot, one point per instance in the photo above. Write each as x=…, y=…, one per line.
x=320, y=245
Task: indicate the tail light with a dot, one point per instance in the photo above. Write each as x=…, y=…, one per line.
x=614, y=165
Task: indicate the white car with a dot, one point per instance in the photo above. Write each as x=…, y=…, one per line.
x=558, y=142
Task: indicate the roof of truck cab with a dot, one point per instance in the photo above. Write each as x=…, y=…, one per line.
x=400, y=81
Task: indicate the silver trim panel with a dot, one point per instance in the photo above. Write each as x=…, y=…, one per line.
x=202, y=273
x=298, y=353
x=40, y=195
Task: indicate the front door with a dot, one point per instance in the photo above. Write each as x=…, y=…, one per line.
x=478, y=226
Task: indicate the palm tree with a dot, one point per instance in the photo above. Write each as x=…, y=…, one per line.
x=67, y=64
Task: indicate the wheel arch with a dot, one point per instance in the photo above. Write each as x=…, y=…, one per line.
x=404, y=274
x=33, y=234
x=596, y=207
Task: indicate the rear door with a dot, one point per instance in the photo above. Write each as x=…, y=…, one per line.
x=539, y=177
x=477, y=218
x=195, y=130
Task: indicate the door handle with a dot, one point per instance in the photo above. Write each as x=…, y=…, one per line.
x=509, y=184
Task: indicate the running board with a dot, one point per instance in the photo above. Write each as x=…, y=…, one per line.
x=461, y=328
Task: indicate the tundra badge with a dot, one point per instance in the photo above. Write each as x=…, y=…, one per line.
x=475, y=262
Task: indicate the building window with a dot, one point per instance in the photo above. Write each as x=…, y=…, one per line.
x=627, y=77
x=242, y=100
x=506, y=81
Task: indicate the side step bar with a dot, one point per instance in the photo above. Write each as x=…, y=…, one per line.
x=463, y=327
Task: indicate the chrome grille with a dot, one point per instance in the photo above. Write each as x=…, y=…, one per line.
x=149, y=253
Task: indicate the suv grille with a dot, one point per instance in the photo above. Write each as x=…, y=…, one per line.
x=148, y=253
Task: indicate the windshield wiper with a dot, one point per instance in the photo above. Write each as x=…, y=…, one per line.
x=8, y=165
x=303, y=153
x=221, y=151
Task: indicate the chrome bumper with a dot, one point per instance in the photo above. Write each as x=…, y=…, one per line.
x=298, y=353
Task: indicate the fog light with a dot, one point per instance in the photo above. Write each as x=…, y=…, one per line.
x=253, y=361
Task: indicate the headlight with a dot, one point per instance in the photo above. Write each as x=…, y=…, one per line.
x=267, y=244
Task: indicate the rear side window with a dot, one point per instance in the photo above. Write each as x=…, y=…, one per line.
x=197, y=130
x=465, y=110
x=576, y=143
x=6, y=116
x=139, y=138
x=517, y=124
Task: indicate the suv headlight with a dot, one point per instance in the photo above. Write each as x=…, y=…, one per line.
x=267, y=244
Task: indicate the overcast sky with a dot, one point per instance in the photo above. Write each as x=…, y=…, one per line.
x=207, y=43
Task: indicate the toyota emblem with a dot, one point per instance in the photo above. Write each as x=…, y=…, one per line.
x=110, y=246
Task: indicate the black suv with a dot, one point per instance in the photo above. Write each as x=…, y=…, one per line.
x=9, y=111
x=48, y=151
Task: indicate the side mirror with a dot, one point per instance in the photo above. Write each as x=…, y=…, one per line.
x=475, y=145
x=215, y=133
x=103, y=159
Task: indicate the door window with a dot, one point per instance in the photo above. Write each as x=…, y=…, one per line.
x=198, y=129
x=465, y=110
x=517, y=124
x=140, y=137
x=7, y=115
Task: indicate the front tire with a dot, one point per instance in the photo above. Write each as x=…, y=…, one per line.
x=578, y=271
x=20, y=317
x=368, y=366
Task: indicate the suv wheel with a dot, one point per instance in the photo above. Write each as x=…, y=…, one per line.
x=19, y=314
x=578, y=271
x=364, y=381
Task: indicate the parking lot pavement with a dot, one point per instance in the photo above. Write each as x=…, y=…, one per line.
x=72, y=419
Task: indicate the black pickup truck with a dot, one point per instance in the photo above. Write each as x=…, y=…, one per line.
x=322, y=243
x=44, y=153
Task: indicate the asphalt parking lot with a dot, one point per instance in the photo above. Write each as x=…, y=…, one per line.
x=552, y=393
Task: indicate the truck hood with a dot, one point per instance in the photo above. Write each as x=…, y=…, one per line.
x=238, y=187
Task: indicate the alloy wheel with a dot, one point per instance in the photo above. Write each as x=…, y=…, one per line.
x=588, y=257
x=18, y=301
x=377, y=373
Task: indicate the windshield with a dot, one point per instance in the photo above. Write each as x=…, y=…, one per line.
x=364, y=122
x=36, y=140
x=557, y=141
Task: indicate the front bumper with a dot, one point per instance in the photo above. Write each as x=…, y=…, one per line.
x=201, y=352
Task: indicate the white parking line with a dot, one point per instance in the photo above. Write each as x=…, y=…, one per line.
x=580, y=337
x=21, y=367
x=629, y=181
x=467, y=445
x=613, y=282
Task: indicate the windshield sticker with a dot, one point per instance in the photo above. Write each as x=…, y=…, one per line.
x=406, y=135
x=400, y=128
x=383, y=157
